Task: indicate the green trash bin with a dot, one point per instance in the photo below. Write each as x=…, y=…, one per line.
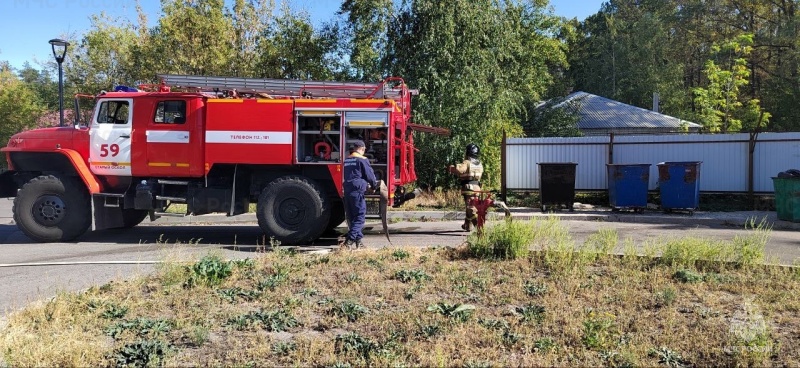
x=787, y=198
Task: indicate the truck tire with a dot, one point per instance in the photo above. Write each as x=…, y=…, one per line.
x=132, y=217
x=337, y=215
x=52, y=209
x=293, y=210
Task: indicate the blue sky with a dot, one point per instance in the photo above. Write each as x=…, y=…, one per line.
x=29, y=24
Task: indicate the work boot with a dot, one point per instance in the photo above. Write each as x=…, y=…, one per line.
x=359, y=244
x=350, y=244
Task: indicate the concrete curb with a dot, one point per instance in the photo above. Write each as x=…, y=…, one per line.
x=727, y=219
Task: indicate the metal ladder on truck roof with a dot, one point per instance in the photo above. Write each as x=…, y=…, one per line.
x=283, y=87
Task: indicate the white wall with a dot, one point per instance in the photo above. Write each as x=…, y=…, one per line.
x=723, y=169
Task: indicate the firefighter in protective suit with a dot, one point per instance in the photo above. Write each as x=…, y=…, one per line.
x=469, y=174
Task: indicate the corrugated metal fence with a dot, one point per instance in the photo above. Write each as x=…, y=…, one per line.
x=725, y=158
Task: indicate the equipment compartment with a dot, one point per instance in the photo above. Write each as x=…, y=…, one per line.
x=319, y=138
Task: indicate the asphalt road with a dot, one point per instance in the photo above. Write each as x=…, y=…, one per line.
x=19, y=285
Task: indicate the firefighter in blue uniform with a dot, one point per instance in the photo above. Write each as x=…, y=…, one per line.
x=358, y=177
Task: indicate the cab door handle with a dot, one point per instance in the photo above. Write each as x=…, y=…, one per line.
x=125, y=136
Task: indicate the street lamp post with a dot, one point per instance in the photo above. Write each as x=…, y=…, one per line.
x=59, y=51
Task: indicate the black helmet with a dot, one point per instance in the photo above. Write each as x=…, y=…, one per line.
x=472, y=151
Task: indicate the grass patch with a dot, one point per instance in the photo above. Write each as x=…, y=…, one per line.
x=507, y=240
x=561, y=304
x=743, y=251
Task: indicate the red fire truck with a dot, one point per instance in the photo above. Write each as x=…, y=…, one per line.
x=215, y=145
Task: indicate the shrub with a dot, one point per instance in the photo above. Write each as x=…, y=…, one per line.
x=231, y=294
x=531, y=313
x=272, y=281
x=667, y=357
x=748, y=250
x=506, y=240
x=686, y=252
x=144, y=353
x=493, y=324
x=406, y=276
x=355, y=343
x=284, y=348
x=399, y=254
x=142, y=327
x=428, y=331
x=598, y=330
x=665, y=297
x=114, y=311
x=349, y=310
x=510, y=338
x=211, y=270
x=602, y=242
x=687, y=276
x=535, y=289
x=544, y=344
x=272, y=321
x=456, y=312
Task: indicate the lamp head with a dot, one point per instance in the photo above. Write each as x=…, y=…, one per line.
x=59, y=49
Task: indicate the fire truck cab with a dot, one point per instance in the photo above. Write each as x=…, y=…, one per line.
x=213, y=145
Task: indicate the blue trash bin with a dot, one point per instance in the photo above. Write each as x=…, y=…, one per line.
x=679, y=185
x=627, y=186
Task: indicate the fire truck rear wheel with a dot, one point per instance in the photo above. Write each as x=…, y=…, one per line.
x=51, y=209
x=293, y=210
x=132, y=217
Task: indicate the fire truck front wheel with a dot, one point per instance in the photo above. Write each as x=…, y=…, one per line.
x=51, y=209
x=293, y=210
x=337, y=215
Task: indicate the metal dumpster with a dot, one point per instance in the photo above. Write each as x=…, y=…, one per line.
x=557, y=184
x=679, y=185
x=787, y=198
x=627, y=186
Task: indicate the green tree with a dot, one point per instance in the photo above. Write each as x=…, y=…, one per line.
x=475, y=77
x=624, y=54
x=19, y=105
x=292, y=48
x=145, y=53
x=721, y=104
x=364, y=32
x=43, y=83
x=554, y=118
x=627, y=38
x=775, y=60
x=102, y=57
x=251, y=19
x=193, y=37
